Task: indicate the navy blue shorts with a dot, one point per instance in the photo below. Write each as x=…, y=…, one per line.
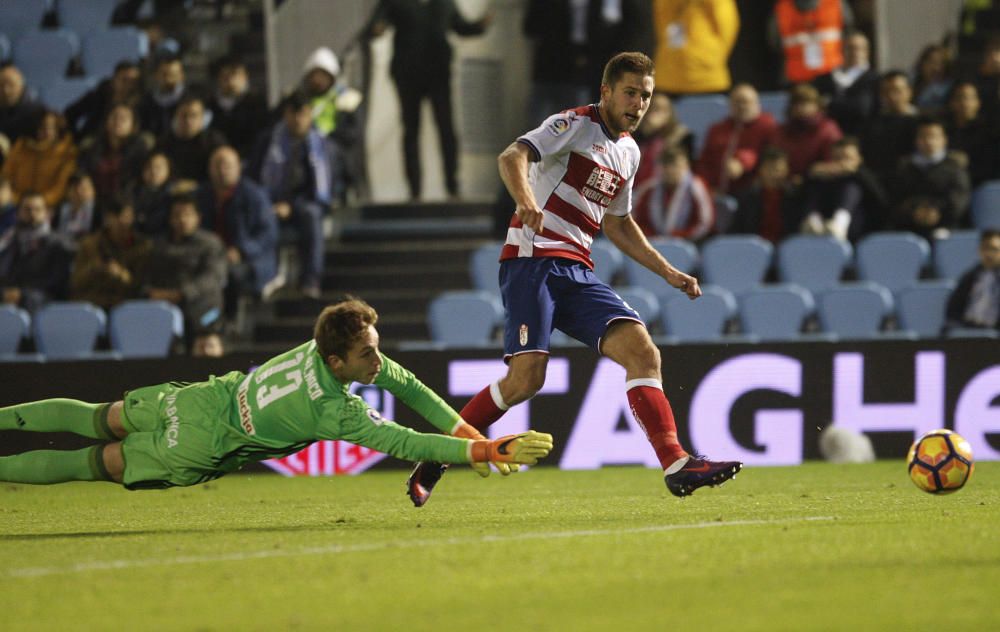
x=543, y=293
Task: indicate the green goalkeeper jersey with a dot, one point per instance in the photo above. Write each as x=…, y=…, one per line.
x=293, y=400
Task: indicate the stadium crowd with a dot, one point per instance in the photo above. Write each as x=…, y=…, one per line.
x=146, y=186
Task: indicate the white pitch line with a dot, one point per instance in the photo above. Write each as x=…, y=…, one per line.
x=336, y=549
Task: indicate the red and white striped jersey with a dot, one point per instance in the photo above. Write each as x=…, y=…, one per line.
x=581, y=172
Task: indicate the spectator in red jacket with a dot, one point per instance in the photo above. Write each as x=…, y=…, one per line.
x=677, y=204
x=732, y=147
x=809, y=134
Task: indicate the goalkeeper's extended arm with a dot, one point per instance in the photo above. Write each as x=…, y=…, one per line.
x=525, y=448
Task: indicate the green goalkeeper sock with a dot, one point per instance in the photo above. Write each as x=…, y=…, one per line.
x=43, y=467
x=59, y=415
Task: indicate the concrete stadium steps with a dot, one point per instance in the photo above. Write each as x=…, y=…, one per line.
x=398, y=257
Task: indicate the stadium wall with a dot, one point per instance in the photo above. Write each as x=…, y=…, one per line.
x=762, y=403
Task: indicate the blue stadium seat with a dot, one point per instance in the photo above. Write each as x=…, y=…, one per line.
x=608, y=260
x=15, y=325
x=4, y=47
x=102, y=50
x=642, y=301
x=62, y=92
x=145, y=329
x=484, y=267
x=21, y=16
x=816, y=262
x=736, y=262
x=854, y=310
x=45, y=55
x=679, y=252
x=775, y=104
x=84, y=16
x=956, y=254
x=920, y=307
x=68, y=330
x=893, y=260
x=464, y=318
x=775, y=312
x=701, y=320
x=700, y=112
x=986, y=205
x=972, y=332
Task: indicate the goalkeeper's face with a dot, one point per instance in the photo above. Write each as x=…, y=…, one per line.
x=363, y=361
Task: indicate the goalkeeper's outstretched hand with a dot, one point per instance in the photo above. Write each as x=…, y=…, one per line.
x=526, y=448
x=467, y=431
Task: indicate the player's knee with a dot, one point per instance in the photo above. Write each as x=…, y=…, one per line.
x=115, y=419
x=114, y=462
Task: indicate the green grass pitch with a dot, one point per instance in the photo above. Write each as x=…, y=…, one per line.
x=815, y=547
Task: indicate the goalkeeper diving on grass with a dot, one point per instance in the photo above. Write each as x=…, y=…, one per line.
x=179, y=434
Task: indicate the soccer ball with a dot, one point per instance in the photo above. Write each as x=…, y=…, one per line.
x=940, y=462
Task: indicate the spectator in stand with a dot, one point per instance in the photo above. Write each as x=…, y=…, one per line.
x=571, y=40
x=808, y=135
x=808, y=34
x=659, y=129
x=156, y=109
x=124, y=87
x=8, y=209
x=293, y=164
x=888, y=136
x=18, y=111
x=110, y=265
x=188, y=268
x=841, y=197
x=768, y=207
x=851, y=90
x=932, y=190
x=238, y=113
x=988, y=81
x=336, y=112
x=239, y=212
x=677, y=204
x=151, y=195
x=77, y=215
x=732, y=146
x=34, y=265
x=694, y=40
x=975, y=301
x=114, y=157
x=932, y=79
x=190, y=141
x=421, y=69
x=971, y=134
x=43, y=162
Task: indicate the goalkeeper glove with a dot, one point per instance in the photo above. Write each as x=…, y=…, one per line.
x=468, y=431
x=526, y=447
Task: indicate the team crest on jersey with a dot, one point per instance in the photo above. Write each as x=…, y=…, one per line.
x=559, y=126
x=522, y=336
x=375, y=416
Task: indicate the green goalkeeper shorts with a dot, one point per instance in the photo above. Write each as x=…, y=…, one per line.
x=171, y=440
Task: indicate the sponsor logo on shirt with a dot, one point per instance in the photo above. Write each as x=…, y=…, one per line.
x=375, y=417
x=244, y=408
x=602, y=186
x=601, y=149
x=173, y=423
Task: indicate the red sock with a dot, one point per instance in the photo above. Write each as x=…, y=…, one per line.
x=652, y=411
x=485, y=408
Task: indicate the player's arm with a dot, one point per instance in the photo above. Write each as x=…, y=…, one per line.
x=363, y=426
x=513, y=163
x=625, y=233
x=411, y=391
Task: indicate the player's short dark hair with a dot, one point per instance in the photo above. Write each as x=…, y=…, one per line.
x=634, y=62
x=340, y=325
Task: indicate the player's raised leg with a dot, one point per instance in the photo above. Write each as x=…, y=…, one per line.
x=525, y=376
x=628, y=343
